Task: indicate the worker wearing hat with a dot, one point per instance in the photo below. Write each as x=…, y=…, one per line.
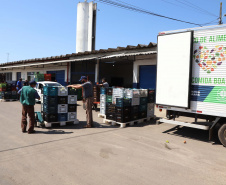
x=27, y=98
x=88, y=97
x=104, y=83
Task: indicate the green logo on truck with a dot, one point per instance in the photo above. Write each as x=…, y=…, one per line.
x=217, y=95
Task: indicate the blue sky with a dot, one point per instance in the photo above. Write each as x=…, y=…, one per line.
x=44, y=28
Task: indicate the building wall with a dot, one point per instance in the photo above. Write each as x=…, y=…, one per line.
x=142, y=60
x=40, y=69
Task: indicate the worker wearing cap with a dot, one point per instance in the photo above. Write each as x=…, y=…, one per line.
x=88, y=97
x=27, y=98
x=104, y=83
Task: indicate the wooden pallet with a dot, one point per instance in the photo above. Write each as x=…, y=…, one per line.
x=60, y=123
x=131, y=123
x=102, y=116
x=8, y=100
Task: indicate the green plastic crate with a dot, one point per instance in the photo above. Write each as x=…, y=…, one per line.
x=109, y=99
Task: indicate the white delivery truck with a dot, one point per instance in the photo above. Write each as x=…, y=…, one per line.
x=191, y=78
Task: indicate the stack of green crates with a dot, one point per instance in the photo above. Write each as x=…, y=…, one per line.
x=39, y=77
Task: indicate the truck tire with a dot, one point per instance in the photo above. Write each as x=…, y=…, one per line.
x=222, y=134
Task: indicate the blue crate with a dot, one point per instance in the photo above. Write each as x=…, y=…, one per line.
x=103, y=90
x=62, y=117
x=50, y=91
x=49, y=109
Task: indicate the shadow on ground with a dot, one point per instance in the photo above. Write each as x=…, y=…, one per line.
x=53, y=132
x=192, y=133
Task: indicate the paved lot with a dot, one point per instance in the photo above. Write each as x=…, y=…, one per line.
x=106, y=155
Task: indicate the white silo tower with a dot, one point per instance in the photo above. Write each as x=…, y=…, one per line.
x=86, y=26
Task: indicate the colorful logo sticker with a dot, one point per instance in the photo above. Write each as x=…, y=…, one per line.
x=210, y=59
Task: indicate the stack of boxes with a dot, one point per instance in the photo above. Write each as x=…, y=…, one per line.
x=50, y=104
x=151, y=103
x=123, y=110
x=103, y=101
x=124, y=105
x=72, y=104
x=143, y=103
x=59, y=104
x=110, y=108
x=47, y=77
x=8, y=91
x=39, y=77
x=117, y=93
x=96, y=93
x=62, y=104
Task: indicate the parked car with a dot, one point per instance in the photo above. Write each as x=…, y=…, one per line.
x=40, y=85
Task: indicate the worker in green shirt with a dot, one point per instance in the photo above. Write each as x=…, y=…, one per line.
x=27, y=98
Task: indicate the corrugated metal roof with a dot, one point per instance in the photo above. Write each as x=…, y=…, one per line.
x=80, y=59
x=67, y=56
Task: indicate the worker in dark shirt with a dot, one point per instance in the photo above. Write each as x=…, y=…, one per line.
x=88, y=97
x=104, y=83
x=27, y=98
x=26, y=83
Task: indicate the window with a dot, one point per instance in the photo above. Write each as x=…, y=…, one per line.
x=30, y=76
x=8, y=77
x=52, y=84
x=40, y=86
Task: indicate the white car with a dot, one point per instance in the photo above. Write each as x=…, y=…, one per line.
x=40, y=85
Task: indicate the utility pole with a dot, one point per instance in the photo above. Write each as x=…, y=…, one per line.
x=220, y=18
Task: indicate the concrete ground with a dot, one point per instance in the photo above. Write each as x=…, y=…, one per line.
x=137, y=155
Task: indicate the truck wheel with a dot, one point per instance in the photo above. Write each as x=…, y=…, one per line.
x=222, y=134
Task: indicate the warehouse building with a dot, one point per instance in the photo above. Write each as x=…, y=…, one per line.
x=131, y=66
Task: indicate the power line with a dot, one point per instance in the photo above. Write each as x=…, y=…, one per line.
x=192, y=6
x=189, y=4
x=216, y=20
x=137, y=9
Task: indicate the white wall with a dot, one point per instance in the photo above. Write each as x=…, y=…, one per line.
x=41, y=70
x=142, y=60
